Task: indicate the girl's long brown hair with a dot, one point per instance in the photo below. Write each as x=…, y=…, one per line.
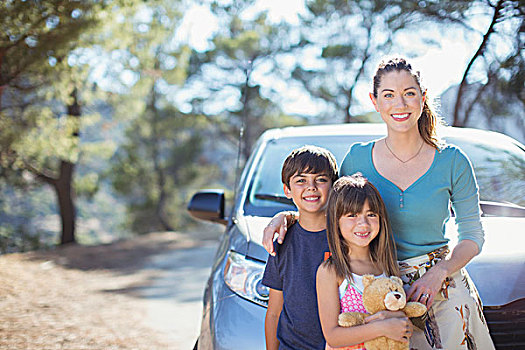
x=429, y=119
x=348, y=195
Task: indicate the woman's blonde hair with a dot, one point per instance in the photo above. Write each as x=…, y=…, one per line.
x=348, y=195
x=429, y=119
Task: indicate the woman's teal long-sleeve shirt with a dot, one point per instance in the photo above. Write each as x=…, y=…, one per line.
x=418, y=215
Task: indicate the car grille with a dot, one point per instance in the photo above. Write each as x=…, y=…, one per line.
x=507, y=325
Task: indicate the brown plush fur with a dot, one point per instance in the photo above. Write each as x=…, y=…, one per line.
x=382, y=294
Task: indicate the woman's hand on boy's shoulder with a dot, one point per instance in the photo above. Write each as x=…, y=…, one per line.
x=278, y=225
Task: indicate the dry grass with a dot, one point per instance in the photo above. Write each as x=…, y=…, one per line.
x=82, y=297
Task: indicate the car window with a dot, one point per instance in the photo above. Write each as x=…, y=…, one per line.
x=499, y=169
x=265, y=196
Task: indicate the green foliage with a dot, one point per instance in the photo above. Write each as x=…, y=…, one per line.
x=43, y=90
x=37, y=82
x=22, y=241
x=161, y=155
x=38, y=35
x=18, y=210
x=336, y=51
x=348, y=35
x=233, y=100
x=351, y=36
x=154, y=169
x=494, y=73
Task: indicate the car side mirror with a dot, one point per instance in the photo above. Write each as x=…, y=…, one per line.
x=208, y=205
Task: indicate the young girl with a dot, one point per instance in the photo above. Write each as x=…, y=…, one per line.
x=361, y=243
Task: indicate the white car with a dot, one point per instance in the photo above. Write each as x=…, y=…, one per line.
x=235, y=300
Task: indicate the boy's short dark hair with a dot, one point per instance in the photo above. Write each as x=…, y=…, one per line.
x=309, y=160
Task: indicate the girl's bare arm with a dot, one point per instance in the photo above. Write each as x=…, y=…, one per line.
x=398, y=328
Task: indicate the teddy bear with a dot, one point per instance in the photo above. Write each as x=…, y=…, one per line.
x=383, y=293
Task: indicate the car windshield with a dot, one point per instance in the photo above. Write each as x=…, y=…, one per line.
x=499, y=168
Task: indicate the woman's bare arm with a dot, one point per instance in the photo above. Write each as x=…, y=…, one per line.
x=278, y=225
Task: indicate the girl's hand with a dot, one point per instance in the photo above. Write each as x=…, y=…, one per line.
x=383, y=315
x=428, y=286
x=397, y=328
x=278, y=224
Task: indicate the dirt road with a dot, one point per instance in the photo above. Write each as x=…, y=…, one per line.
x=142, y=293
x=175, y=297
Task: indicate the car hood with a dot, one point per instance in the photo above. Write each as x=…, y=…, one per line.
x=252, y=227
x=498, y=271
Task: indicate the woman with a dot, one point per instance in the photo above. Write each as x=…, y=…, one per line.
x=418, y=177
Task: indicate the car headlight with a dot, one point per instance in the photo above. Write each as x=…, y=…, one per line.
x=244, y=276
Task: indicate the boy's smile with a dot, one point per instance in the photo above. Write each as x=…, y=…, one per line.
x=311, y=198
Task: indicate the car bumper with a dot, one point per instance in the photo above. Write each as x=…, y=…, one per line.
x=507, y=325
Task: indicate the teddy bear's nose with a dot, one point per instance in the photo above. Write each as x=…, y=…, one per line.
x=397, y=295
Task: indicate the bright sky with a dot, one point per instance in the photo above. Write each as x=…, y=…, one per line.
x=440, y=67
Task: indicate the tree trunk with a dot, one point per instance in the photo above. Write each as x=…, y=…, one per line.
x=159, y=170
x=161, y=214
x=64, y=191
x=348, y=116
x=64, y=185
x=161, y=178
x=3, y=83
x=457, y=121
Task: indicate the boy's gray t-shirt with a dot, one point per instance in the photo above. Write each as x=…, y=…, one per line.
x=293, y=271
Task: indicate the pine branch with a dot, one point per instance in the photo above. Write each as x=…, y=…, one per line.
x=479, y=52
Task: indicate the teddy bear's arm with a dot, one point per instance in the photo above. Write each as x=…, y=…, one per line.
x=349, y=319
x=414, y=309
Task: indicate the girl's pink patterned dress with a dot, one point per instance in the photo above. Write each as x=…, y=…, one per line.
x=351, y=301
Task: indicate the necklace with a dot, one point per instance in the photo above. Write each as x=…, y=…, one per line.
x=409, y=159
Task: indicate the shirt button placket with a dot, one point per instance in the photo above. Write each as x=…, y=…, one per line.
x=401, y=201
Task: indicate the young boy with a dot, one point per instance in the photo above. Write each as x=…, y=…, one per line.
x=292, y=320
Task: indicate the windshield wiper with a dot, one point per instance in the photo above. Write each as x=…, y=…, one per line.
x=274, y=198
x=501, y=209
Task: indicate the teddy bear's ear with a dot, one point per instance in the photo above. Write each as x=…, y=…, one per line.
x=367, y=280
x=396, y=279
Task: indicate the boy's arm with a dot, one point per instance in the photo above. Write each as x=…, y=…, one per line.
x=275, y=306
